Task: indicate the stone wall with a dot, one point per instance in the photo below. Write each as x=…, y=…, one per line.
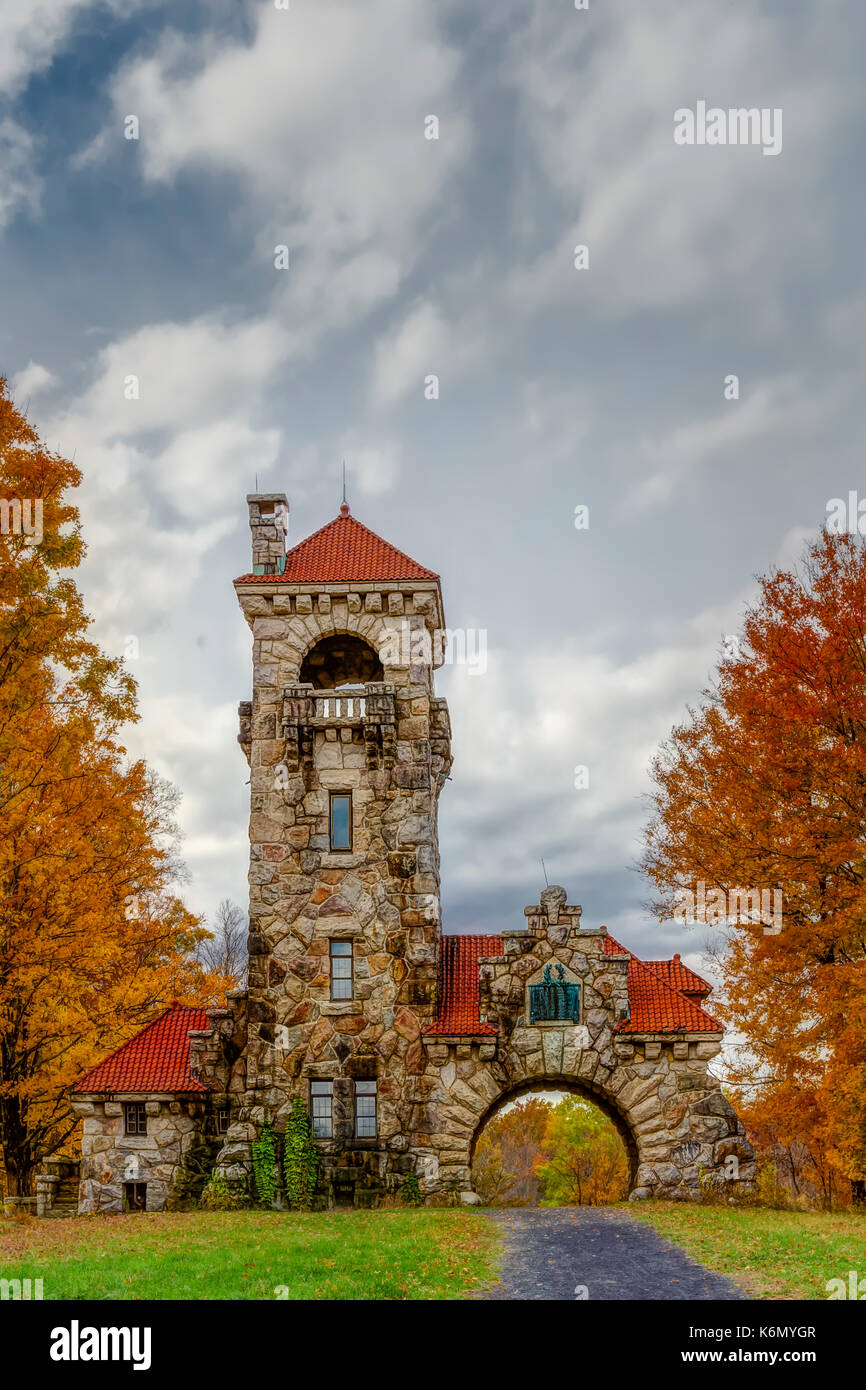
x=110, y=1157
x=57, y=1184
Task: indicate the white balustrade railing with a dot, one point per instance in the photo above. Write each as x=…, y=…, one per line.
x=339, y=704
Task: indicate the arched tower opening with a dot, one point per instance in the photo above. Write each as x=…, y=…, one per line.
x=341, y=660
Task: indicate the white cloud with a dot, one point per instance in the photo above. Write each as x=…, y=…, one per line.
x=786, y=408
x=20, y=187
x=194, y=744
x=30, y=35
x=187, y=373
x=417, y=347
x=163, y=474
x=31, y=380
x=522, y=728
x=207, y=470
x=373, y=469
x=426, y=343
x=666, y=225
x=320, y=115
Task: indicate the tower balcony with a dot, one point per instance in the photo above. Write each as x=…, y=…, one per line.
x=370, y=707
x=347, y=705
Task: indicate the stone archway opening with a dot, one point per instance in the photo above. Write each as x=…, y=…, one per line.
x=341, y=659
x=553, y=1141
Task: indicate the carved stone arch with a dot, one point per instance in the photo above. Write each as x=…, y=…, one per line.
x=380, y=631
x=369, y=628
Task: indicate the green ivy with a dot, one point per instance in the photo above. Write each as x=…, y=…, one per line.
x=300, y=1159
x=265, y=1166
x=410, y=1192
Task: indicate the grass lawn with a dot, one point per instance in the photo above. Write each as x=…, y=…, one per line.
x=419, y=1254
x=771, y=1254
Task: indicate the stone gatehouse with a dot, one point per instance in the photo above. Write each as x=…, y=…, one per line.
x=402, y=1041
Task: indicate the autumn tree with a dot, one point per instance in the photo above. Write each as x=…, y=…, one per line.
x=505, y=1169
x=93, y=938
x=584, y=1161
x=763, y=787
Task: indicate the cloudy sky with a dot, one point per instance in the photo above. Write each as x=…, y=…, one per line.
x=559, y=387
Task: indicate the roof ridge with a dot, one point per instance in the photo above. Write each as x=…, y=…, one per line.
x=167, y=1057
x=340, y=520
x=345, y=551
x=677, y=964
x=145, y=1028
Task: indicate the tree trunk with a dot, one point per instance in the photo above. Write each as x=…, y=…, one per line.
x=18, y=1158
x=858, y=1192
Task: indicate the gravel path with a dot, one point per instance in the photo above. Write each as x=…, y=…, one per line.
x=551, y=1251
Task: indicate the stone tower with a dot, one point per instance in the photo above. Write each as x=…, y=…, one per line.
x=401, y=1042
x=348, y=748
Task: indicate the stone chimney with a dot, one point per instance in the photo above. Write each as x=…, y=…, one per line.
x=269, y=525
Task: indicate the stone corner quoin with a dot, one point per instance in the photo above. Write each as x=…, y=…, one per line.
x=348, y=748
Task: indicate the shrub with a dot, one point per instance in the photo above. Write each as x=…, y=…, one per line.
x=221, y=1195
x=410, y=1192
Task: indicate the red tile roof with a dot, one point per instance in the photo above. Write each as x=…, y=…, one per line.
x=656, y=1001
x=156, y=1059
x=343, y=552
x=459, y=995
x=655, y=991
x=680, y=977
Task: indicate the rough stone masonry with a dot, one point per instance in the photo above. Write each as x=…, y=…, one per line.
x=401, y=1041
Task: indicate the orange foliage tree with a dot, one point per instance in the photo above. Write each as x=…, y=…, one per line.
x=763, y=787
x=505, y=1169
x=93, y=938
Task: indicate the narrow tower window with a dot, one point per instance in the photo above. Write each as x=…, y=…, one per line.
x=341, y=820
x=341, y=970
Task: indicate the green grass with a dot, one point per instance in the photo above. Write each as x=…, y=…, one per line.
x=771, y=1254
x=419, y=1254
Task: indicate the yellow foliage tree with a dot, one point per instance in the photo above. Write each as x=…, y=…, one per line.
x=93, y=938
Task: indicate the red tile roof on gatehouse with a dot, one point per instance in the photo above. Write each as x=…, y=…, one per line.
x=656, y=1004
x=661, y=994
x=343, y=552
x=680, y=977
x=156, y=1059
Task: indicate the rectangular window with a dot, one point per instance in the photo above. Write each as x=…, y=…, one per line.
x=136, y=1118
x=222, y=1121
x=135, y=1196
x=341, y=970
x=322, y=1108
x=365, y=1110
x=341, y=820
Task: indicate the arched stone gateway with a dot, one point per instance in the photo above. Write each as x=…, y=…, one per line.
x=638, y=1045
x=581, y=1091
x=399, y=1039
